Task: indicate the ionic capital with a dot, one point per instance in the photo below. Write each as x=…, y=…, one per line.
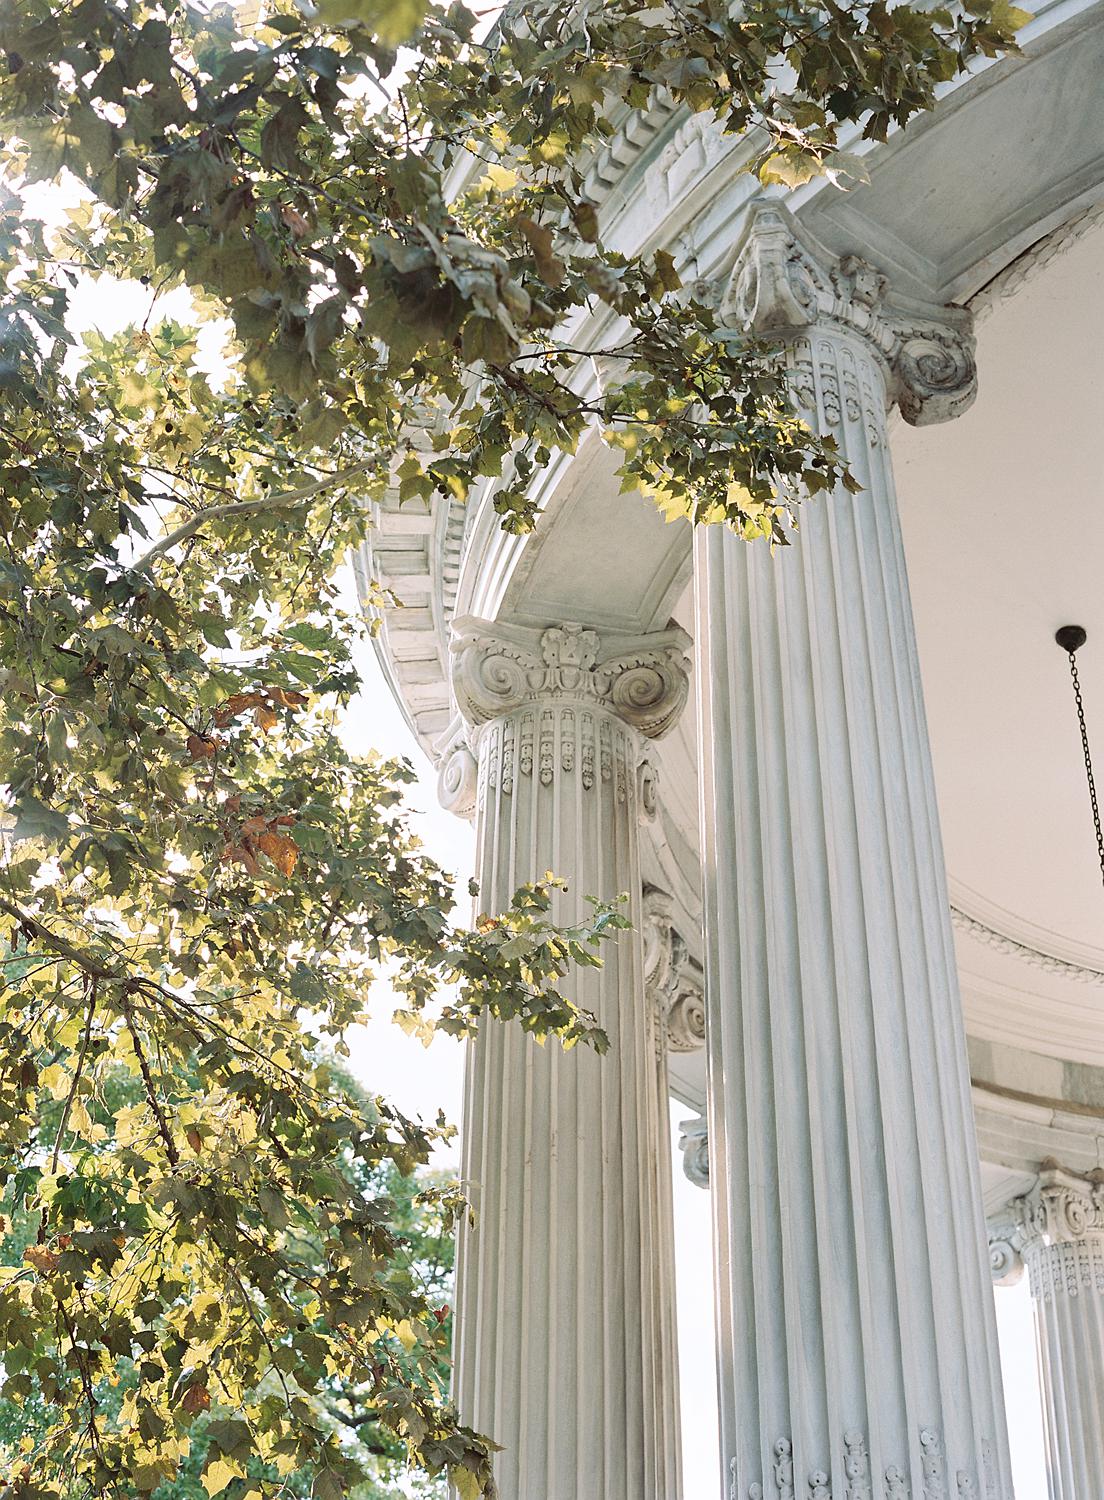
x=498, y=669
x=785, y=283
x=1005, y=1253
x=1062, y=1208
x=457, y=771
x=1061, y=1219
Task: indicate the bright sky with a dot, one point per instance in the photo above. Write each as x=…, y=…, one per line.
x=420, y=1081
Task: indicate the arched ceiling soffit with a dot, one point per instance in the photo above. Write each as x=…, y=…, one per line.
x=951, y=202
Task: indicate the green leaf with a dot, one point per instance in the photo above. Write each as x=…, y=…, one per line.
x=392, y=21
x=327, y=1486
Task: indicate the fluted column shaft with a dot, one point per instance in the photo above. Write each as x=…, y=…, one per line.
x=856, y=1336
x=1057, y=1231
x=565, y=1350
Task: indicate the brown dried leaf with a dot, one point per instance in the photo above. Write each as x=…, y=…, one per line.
x=282, y=851
x=195, y=1399
x=42, y=1259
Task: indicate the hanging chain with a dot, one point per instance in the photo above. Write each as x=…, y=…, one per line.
x=1088, y=761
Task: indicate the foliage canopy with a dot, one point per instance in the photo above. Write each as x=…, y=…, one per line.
x=386, y=221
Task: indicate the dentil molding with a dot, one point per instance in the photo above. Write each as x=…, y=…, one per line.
x=783, y=282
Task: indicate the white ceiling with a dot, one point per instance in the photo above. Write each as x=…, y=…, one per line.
x=1003, y=515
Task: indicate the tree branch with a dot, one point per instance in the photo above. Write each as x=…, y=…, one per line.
x=245, y=508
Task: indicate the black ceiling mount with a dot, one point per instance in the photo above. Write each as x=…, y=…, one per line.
x=1071, y=637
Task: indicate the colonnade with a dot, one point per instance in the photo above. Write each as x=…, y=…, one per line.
x=856, y=1334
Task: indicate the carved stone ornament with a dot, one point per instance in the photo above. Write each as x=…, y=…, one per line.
x=498, y=669
x=694, y=1145
x=673, y=981
x=1063, y=1207
x=457, y=772
x=784, y=283
x=856, y=1465
x=1005, y=1253
x=1057, y=1231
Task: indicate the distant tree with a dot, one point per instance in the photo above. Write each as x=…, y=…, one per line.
x=197, y=879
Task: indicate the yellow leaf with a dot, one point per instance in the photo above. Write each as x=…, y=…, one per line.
x=467, y=1486
x=500, y=178
x=791, y=168
x=56, y=1080
x=1010, y=16
x=218, y=1475
x=406, y=1334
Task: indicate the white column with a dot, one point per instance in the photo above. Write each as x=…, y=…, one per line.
x=1057, y=1231
x=565, y=1350
x=856, y=1341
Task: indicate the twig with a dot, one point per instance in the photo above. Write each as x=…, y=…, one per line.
x=85, y=1042
x=147, y=1078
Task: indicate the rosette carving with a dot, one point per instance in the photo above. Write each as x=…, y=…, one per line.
x=785, y=282
x=497, y=669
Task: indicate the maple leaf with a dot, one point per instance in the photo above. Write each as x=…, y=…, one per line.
x=281, y=850
x=201, y=746
x=195, y=1399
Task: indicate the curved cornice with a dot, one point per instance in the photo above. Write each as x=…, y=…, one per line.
x=1007, y=283
x=1001, y=942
